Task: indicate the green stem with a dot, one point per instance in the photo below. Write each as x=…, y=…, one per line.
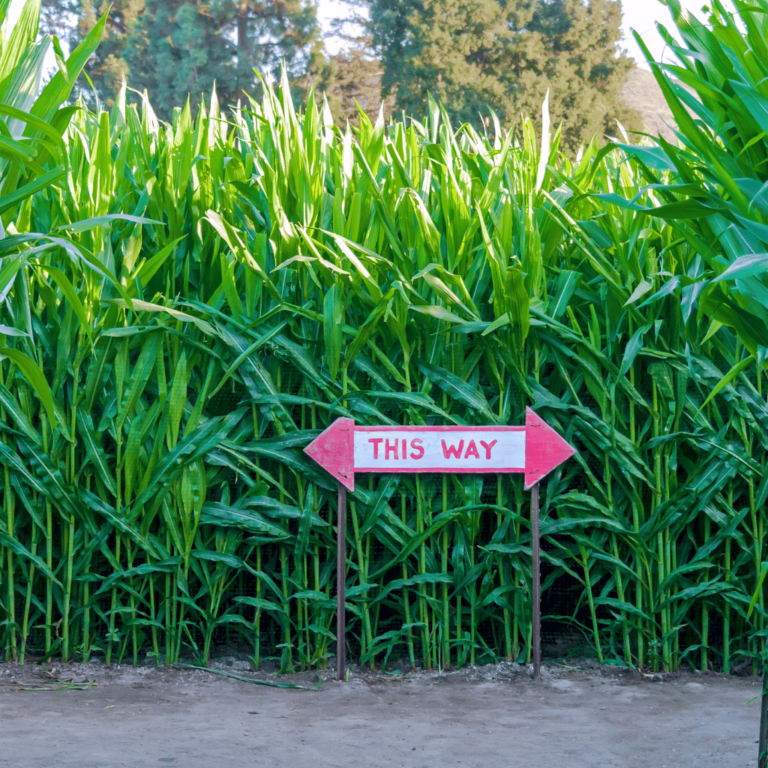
x=86, y=590
x=257, y=618
x=705, y=608
x=28, y=598
x=366, y=636
x=48, y=581
x=113, y=602
x=590, y=598
x=70, y=537
x=406, y=599
x=727, y=616
x=286, y=662
x=11, y=649
x=168, y=606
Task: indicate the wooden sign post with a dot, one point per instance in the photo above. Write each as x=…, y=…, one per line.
x=345, y=448
x=341, y=585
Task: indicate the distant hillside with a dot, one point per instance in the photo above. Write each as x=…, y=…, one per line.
x=643, y=93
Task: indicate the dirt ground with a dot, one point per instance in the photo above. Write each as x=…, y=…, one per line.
x=482, y=717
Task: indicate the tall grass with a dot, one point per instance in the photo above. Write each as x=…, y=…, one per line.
x=224, y=287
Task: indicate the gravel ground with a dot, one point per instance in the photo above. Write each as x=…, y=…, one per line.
x=579, y=716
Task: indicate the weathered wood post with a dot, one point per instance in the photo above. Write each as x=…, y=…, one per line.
x=341, y=584
x=536, y=582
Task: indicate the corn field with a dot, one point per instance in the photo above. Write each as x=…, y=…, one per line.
x=186, y=306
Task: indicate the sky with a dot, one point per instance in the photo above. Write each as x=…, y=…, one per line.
x=640, y=15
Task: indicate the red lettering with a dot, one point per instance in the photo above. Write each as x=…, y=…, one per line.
x=471, y=450
x=375, y=441
x=417, y=445
x=405, y=449
x=488, y=447
x=451, y=451
x=389, y=448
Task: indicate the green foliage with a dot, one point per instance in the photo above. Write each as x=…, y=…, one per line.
x=350, y=81
x=486, y=54
x=107, y=67
x=242, y=282
x=32, y=152
x=32, y=123
x=717, y=96
x=178, y=49
x=189, y=304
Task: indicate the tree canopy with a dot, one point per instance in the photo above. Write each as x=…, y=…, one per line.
x=176, y=48
x=473, y=55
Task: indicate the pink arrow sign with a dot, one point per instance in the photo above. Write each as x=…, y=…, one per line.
x=345, y=448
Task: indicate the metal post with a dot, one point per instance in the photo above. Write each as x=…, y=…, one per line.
x=536, y=596
x=341, y=563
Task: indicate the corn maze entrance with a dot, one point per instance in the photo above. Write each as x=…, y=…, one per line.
x=400, y=619
x=438, y=572
x=533, y=450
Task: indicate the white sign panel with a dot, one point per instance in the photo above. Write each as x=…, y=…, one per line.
x=438, y=449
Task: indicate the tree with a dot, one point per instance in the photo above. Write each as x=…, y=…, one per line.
x=58, y=17
x=177, y=49
x=107, y=67
x=351, y=80
x=173, y=48
x=473, y=55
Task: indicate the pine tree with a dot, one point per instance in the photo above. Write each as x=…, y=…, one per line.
x=173, y=48
x=177, y=50
x=473, y=55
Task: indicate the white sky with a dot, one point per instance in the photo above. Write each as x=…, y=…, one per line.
x=640, y=15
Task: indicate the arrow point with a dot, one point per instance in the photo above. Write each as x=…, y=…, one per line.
x=545, y=450
x=334, y=451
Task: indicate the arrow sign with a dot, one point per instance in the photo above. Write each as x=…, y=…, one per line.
x=345, y=448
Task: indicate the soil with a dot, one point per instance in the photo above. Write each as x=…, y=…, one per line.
x=576, y=716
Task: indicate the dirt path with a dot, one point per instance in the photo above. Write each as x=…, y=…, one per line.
x=489, y=717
